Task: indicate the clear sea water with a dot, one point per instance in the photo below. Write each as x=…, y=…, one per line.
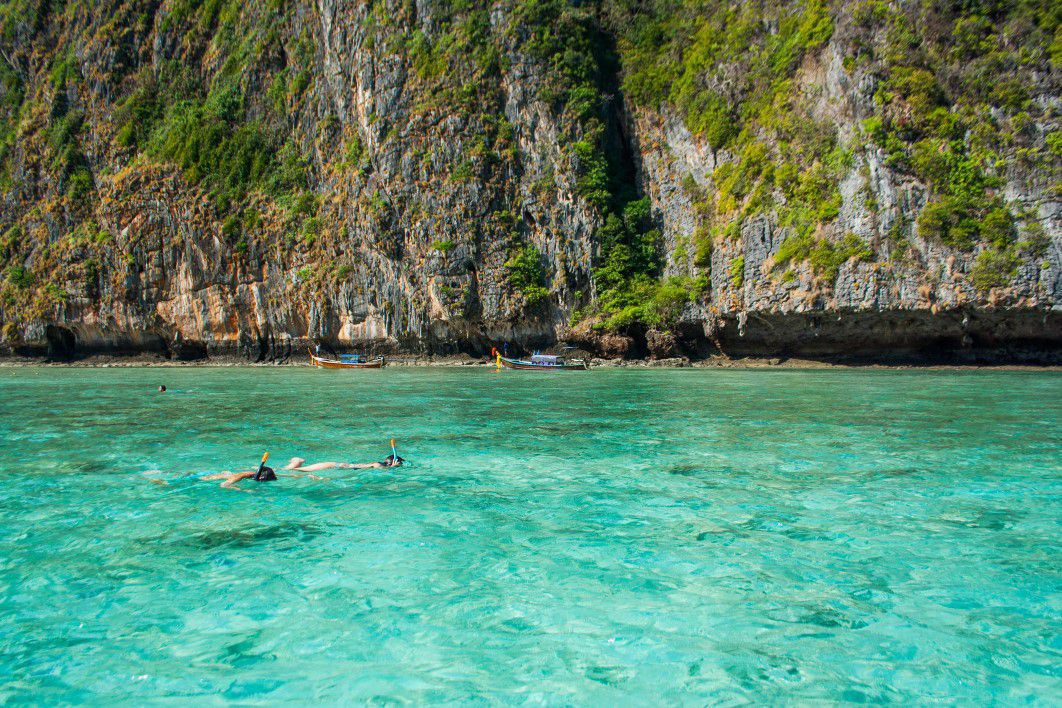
x=613, y=537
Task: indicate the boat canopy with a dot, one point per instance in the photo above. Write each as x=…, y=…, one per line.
x=355, y=358
x=547, y=359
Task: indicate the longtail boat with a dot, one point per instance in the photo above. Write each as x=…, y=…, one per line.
x=543, y=362
x=348, y=361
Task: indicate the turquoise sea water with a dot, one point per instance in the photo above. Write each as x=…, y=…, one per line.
x=616, y=536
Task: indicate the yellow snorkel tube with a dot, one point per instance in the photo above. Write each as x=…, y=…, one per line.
x=261, y=466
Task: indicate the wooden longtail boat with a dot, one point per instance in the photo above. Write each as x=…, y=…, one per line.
x=543, y=362
x=348, y=361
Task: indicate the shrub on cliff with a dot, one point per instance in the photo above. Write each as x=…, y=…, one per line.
x=526, y=274
x=19, y=277
x=737, y=272
x=825, y=256
x=230, y=155
x=994, y=268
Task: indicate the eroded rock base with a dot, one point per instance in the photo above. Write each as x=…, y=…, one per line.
x=895, y=337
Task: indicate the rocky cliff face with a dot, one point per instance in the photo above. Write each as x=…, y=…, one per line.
x=192, y=177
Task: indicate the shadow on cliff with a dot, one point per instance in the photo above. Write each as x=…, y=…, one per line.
x=63, y=345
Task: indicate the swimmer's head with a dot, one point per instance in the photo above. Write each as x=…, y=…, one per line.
x=265, y=474
x=162, y=389
x=392, y=461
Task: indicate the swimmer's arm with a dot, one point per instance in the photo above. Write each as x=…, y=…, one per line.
x=366, y=466
x=234, y=479
x=220, y=475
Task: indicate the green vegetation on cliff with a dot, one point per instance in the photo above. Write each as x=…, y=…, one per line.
x=527, y=276
x=582, y=70
x=206, y=125
x=729, y=74
x=954, y=85
x=353, y=142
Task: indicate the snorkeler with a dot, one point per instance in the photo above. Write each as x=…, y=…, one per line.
x=389, y=461
x=298, y=464
x=262, y=474
x=392, y=460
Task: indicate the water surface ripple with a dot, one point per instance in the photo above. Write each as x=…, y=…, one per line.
x=635, y=536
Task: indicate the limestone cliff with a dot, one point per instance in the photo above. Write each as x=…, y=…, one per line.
x=198, y=176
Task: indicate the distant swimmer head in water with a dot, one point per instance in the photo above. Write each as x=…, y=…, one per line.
x=162, y=389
